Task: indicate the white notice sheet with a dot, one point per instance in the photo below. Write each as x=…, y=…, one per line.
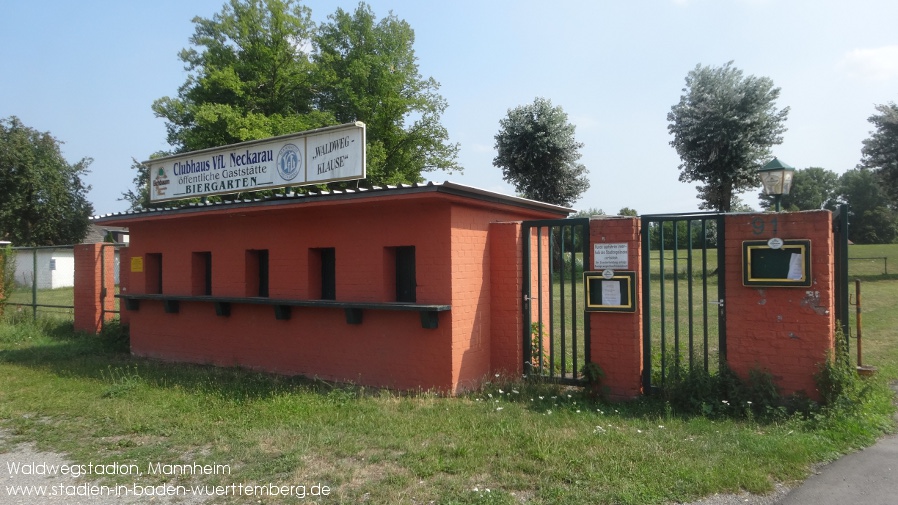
x=795, y=267
x=610, y=292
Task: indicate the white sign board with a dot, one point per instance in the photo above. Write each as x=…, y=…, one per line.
x=315, y=157
x=611, y=256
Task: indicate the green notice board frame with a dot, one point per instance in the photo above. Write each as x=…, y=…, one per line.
x=785, y=266
x=623, y=299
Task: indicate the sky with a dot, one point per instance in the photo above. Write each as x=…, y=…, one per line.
x=88, y=73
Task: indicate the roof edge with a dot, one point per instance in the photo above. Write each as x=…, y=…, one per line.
x=447, y=187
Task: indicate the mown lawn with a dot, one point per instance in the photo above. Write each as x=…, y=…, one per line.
x=509, y=442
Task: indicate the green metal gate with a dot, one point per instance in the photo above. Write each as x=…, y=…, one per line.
x=683, y=292
x=840, y=269
x=556, y=329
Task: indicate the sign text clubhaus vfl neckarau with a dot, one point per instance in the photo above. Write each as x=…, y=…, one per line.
x=331, y=154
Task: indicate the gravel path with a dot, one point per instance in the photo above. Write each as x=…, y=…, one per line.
x=60, y=488
x=778, y=494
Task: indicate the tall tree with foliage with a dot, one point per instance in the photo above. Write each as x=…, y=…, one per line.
x=538, y=153
x=366, y=70
x=261, y=68
x=880, y=151
x=871, y=216
x=812, y=188
x=44, y=197
x=249, y=77
x=723, y=127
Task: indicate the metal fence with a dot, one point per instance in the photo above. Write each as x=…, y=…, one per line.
x=45, y=280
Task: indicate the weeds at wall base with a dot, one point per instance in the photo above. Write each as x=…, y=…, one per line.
x=850, y=404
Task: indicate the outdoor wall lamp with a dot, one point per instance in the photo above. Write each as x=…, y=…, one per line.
x=776, y=177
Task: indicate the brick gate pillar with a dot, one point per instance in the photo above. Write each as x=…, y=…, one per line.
x=506, y=319
x=90, y=281
x=786, y=331
x=616, y=337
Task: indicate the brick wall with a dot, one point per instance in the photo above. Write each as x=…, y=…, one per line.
x=616, y=337
x=485, y=284
x=90, y=283
x=389, y=348
x=453, y=252
x=784, y=330
x=506, y=322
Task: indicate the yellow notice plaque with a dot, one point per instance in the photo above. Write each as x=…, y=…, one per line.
x=137, y=264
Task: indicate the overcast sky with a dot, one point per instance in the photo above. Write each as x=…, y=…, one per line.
x=88, y=72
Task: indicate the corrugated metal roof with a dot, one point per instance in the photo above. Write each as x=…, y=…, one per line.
x=343, y=194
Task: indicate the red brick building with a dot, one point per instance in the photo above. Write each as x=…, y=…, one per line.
x=396, y=287
x=419, y=287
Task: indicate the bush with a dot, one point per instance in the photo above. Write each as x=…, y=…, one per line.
x=838, y=381
x=697, y=391
x=7, y=274
x=115, y=336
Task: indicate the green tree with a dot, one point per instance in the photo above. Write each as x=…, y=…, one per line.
x=871, y=218
x=249, y=77
x=812, y=188
x=880, y=151
x=592, y=211
x=366, y=70
x=538, y=153
x=139, y=196
x=44, y=199
x=627, y=211
x=723, y=127
x=688, y=234
x=261, y=68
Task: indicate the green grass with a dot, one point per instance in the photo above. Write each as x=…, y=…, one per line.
x=59, y=296
x=538, y=443
x=873, y=261
x=22, y=298
x=675, y=322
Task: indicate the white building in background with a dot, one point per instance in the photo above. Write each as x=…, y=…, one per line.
x=54, y=267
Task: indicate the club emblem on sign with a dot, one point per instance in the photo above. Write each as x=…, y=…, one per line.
x=289, y=162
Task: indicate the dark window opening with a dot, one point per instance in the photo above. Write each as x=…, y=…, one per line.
x=201, y=275
x=406, y=285
x=328, y=274
x=322, y=276
x=257, y=272
x=153, y=273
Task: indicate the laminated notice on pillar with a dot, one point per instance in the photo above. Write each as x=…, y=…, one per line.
x=611, y=293
x=796, y=270
x=613, y=256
